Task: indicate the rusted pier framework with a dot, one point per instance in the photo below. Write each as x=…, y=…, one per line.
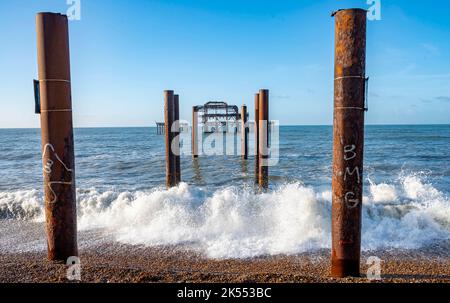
x=349, y=108
x=216, y=116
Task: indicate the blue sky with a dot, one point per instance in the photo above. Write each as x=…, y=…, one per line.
x=125, y=53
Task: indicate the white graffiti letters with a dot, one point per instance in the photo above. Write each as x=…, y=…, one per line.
x=348, y=172
x=349, y=154
x=48, y=166
x=350, y=200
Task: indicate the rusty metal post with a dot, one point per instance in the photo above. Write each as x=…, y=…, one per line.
x=348, y=141
x=263, y=132
x=57, y=135
x=170, y=156
x=244, y=133
x=256, y=130
x=177, y=139
x=194, y=142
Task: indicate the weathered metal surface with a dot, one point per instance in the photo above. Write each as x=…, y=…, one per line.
x=57, y=135
x=244, y=132
x=256, y=130
x=263, y=132
x=169, y=136
x=348, y=141
x=194, y=143
x=177, y=139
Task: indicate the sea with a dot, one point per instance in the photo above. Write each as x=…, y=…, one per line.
x=217, y=210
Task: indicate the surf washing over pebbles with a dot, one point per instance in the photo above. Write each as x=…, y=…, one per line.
x=120, y=171
x=237, y=223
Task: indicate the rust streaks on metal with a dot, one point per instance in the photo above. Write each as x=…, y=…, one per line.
x=169, y=105
x=244, y=132
x=57, y=135
x=177, y=139
x=256, y=129
x=348, y=141
x=263, y=134
x=194, y=141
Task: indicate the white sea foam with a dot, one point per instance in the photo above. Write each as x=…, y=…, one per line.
x=21, y=205
x=237, y=223
x=382, y=193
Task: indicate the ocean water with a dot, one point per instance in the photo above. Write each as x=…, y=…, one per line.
x=121, y=195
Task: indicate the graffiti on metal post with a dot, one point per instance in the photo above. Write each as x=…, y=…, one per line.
x=48, y=166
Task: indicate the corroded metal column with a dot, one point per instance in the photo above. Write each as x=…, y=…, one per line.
x=349, y=97
x=194, y=143
x=177, y=139
x=256, y=130
x=57, y=135
x=263, y=132
x=169, y=135
x=244, y=133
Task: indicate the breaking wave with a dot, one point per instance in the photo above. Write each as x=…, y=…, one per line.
x=237, y=223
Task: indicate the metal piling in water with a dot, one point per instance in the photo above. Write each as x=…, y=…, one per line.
x=263, y=141
x=57, y=135
x=348, y=141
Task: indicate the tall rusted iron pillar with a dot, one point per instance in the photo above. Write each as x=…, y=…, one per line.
x=349, y=108
x=177, y=139
x=256, y=130
x=194, y=143
x=57, y=135
x=244, y=132
x=169, y=117
x=263, y=132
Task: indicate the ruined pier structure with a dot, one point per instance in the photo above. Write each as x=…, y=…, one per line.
x=54, y=104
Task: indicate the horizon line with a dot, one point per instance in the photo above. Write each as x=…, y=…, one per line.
x=281, y=125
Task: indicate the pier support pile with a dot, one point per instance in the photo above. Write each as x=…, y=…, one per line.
x=349, y=99
x=172, y=133
x=263, y=139
x=57, y=135
x=244, y=132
